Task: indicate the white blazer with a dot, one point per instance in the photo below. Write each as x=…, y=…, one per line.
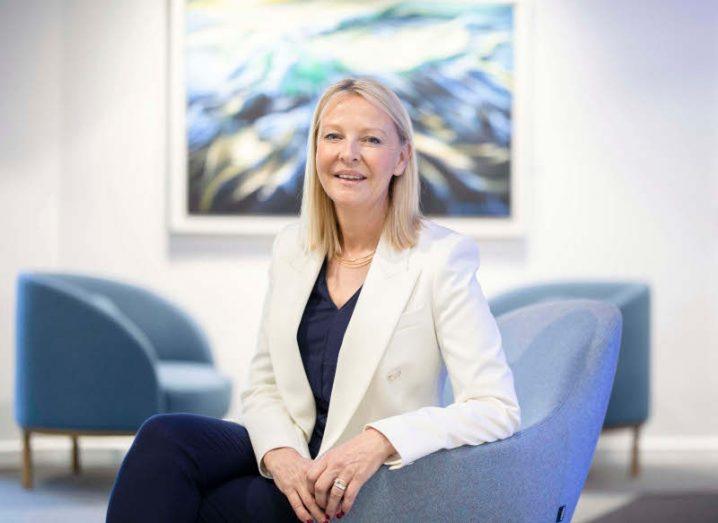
x=420, y=313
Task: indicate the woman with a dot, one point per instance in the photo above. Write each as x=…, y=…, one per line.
x=363, y=272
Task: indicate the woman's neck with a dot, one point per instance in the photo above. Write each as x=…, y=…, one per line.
x=361, y=229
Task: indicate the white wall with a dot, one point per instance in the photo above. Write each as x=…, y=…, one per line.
x=627, y=129
x=625, y=184
x=30, y=127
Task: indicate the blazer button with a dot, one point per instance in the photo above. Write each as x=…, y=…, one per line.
x=394, y=374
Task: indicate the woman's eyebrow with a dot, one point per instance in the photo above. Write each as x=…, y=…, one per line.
x=361, y=130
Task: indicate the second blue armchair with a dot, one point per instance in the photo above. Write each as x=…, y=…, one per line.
x=99, y=357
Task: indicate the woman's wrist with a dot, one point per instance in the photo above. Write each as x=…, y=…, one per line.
x=270, y=454
x=386, y=445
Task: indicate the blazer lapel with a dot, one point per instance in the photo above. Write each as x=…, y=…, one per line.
x=387, y=287
x=294, y=280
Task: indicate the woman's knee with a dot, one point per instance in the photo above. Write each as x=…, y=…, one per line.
x=183, y=428
x=158, y=430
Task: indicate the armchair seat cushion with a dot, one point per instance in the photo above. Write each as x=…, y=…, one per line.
x=193, y=387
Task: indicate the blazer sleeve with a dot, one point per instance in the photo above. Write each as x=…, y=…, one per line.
x=264, y=414
x=485, y=406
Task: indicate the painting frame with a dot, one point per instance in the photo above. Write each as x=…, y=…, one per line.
x=181, y=222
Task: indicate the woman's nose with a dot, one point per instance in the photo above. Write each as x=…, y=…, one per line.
x=349, y=152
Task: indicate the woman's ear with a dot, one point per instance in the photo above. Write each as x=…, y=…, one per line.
x=404, y=156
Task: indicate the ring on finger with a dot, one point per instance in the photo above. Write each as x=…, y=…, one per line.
x=340, y=484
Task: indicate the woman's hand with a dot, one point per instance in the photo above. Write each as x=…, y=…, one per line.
x=289, y=470
x=354, y=461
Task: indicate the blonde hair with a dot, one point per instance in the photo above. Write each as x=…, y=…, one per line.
x=404, y=218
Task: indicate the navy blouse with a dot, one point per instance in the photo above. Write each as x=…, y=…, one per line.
x=320, y=336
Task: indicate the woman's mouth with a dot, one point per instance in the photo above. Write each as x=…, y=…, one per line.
x=350, y=179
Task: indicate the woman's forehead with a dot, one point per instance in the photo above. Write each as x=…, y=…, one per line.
x=362, y=112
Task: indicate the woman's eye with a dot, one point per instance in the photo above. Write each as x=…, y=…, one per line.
x=376, y=140
x=331, y=136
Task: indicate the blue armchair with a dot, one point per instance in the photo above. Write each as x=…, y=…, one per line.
x=98, y=357
x=629, y=404
x=563, y=356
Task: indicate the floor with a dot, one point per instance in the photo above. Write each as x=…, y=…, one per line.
x=60, y=496
x=609, y=487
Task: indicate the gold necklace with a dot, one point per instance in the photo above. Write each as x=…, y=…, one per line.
x=355, y=262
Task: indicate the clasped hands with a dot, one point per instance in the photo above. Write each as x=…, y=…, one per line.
x=309, y=484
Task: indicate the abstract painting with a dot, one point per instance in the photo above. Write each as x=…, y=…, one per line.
x=252, y=73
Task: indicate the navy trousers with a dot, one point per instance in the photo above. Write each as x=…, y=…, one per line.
x=191, y=468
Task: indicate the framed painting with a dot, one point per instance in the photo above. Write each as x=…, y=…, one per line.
x=245, y=76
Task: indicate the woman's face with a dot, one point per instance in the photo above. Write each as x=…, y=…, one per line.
x=358, y=139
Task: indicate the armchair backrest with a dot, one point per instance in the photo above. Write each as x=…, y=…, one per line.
x=615, y=292
x=630, y=396
x=552, y=348
x=80, y=363
x=173, y=333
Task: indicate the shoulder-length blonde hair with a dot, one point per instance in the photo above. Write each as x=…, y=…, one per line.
x=404, y=219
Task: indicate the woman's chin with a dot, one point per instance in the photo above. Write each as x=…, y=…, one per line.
x=349, y=203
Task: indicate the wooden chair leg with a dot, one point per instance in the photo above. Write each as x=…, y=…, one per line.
x=26, y=460
x=635, y=470
x=75, y=454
